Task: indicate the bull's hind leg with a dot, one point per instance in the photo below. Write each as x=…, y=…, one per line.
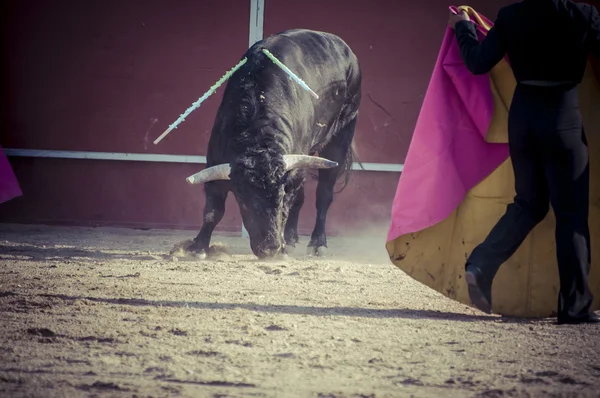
x=336, y=150
x=214, y=209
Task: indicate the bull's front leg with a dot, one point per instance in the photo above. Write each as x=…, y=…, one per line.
x=291, y=225
x=214, y=209
x=318, y=240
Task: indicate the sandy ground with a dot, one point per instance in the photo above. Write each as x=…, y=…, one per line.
x=104, y=312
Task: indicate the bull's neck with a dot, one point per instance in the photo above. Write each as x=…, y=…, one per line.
x=266, y=140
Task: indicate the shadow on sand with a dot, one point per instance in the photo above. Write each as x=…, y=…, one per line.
x=295, y=309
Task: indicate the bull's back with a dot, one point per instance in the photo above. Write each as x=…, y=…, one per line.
x=319, y=46
x=317, y=57
x=260, y=90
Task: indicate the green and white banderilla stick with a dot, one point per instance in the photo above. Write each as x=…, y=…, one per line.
x=226, y=76
x=200, y=100
x=290, y=73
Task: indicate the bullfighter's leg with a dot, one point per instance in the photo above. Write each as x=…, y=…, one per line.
x=336, y=150
x=214, y=209
x=291, y=225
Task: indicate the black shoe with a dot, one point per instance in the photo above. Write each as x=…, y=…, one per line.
x=592, y=318
x=480, y=288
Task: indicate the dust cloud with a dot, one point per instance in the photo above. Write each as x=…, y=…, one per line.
x=364, y=243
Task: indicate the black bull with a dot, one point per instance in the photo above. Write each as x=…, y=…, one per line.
x=267, y=130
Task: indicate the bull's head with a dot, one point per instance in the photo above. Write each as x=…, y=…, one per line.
x=261, y=201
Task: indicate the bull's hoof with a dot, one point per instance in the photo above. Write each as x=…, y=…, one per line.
x=201, y=255
x=192, y=255
x=319, y=251
x=290, y=249
x=186, y=251
x=282, y=257
x=196, y=253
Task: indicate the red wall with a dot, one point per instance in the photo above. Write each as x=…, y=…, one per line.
x=111, y=76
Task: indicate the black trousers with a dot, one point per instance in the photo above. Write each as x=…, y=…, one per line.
x=548, y=149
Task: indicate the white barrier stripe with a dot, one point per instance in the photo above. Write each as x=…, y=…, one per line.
x=136, y=157
x=152, y=157
x=156, y=157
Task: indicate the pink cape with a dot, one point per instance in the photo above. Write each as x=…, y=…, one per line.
x=448, y=154
x=9, y=186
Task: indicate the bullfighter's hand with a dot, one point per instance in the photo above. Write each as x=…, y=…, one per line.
x=455, y=18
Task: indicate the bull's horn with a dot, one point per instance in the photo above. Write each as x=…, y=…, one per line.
x=309, y=162
x=221, y=171
x=218, y=172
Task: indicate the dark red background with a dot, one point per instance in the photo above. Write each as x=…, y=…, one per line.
x=111, y=75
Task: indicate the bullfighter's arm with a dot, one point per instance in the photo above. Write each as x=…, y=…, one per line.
x=481, y=57
x=594, y=32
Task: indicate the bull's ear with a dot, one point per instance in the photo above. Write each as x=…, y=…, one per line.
x=214, y=173
x=307, y=162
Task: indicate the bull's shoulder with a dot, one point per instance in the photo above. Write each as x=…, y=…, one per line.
x=304, y=36
x=312, y=35
x=300, y=33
